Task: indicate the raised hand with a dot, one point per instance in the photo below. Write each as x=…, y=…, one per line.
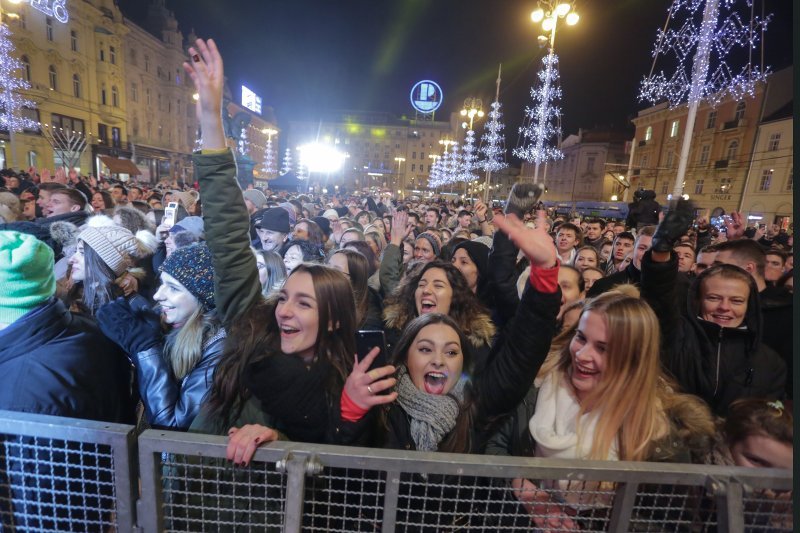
x=673, y=225
x=206, y=69
x=535, y=243
x=242, y=442
x=400, y=229
x=734, y=226
x=363, y=385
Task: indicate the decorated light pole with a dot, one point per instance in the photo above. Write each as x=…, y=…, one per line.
x=269, y=153
x=469, y=158
x=543, y=119
x=701, y=47
x=494, y=148
x=400, y=182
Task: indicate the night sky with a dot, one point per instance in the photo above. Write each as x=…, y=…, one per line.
x=308, y=56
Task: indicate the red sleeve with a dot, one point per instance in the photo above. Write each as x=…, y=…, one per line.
x=350, y=411
x=544, y=280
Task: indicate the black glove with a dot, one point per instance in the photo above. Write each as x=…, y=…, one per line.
x=135, y=329
x=523, y=198
x=676, y=223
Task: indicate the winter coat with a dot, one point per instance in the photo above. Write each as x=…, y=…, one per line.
x=630, y=275
x=644, y=212
x=168, y=402
x=391, y=270
x=777, y=311
x=515, y=360
x=717, y=364
x=55, y=363
x=237, y=293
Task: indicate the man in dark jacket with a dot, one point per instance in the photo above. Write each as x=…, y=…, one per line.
x=644, y=210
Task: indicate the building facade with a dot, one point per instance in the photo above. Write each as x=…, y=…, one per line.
x=733, y=144
x=589, y=170
x=372, y=141
x=76, y=73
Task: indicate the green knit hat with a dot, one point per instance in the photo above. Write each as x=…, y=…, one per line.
x=27, y=279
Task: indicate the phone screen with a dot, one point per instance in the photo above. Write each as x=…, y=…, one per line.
x=366, y=340
x=169, y=215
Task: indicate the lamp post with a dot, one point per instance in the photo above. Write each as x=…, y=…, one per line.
x=269, y=157
x=549, y=20
x=400, y=160
x=472, y=108
x=11, y=130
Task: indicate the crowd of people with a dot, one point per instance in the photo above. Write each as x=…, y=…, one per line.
x=508, y=331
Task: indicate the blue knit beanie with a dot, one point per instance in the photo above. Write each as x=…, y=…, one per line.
x=192, y=267
x=26, y=274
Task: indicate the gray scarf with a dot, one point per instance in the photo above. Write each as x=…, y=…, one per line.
x=432, y=416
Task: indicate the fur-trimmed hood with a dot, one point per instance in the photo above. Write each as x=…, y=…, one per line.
x=480, y=330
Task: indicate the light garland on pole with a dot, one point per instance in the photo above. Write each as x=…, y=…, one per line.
x=286, y=165
x=11, y=101
x=269, y=153
x=703, y=72
x=493, y=142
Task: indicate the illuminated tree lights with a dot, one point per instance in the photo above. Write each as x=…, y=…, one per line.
x=542, y=129
x=708, y=35
x=286, y=166
x=269, y=158
x=493, y=143
x=469, y=160
x=11, y=102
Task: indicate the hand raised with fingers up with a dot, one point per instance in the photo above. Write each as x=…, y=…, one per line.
x=535, y=243
x=206, y=69
x=400, y=229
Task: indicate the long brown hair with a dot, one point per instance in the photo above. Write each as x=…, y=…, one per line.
x=359, y=275
x=255, y=335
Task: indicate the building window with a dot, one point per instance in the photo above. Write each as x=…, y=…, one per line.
x=413, y=167
x=421, y=167
x=49, y=28
x=147, y=97
x=33, y=159
x=133, y=57
x=413, y=155
x=673, y=130
x=23, y=22
x=740, y=109
x=590, y=164
x=102, y=53
x=712, y=119
x=116, y=137
x=147, y=63
x=766, y=179
x=134, y=92
x=790, y=179
x=112, y=55
x=643, y=161
x=422, y=155
x=76, y=86
x=26, y=67
x=73, y=40
x=725, y=185
x=103, y=99
x=698, y=187
x=648, y=133
x=52, y=78
x=114, y=96
x=665, y=187
x=705, y=153
x=670, y=157
x=733, y=147
x=774, y=142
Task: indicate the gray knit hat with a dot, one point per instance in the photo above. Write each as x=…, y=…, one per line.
x=115, y=245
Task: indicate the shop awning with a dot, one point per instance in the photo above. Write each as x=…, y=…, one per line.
x=120, y=166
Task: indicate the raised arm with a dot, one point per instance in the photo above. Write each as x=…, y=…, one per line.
x=227, y=225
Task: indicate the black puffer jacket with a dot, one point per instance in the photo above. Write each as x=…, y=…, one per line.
x=717, y=364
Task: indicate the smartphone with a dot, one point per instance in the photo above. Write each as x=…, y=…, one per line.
x=366, y=340
x=169, y=215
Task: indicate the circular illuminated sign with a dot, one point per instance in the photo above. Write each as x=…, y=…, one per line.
x=426, y=96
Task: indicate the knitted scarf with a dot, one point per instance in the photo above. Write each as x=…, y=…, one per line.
x=432, y=416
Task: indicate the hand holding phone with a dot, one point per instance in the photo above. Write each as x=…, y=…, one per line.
x=170, y=214
x=370, y=383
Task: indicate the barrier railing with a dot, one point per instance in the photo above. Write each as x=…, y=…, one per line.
x=65, y=474
x=188, y=485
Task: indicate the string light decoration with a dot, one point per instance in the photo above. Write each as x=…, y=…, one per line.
x=541, y=128
x=438, y=177
x=707, y=35
x=493, y=143
x=244, y=143
x=11, y=101
x=286, y=166
x=435, y=171
x=269, y=158
x=453, y=165
x=301, y=168
x=469, y=160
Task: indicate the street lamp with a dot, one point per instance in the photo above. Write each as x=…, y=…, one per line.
x=549, y=17
x=472, y=108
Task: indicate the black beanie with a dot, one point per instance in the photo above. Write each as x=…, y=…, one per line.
x=275, y=219
x=479, y=253
x=324, y=224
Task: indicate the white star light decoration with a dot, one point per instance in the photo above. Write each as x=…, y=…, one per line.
x=11, y=101
x=469, y=159
x=727, y=35
x=542, y=130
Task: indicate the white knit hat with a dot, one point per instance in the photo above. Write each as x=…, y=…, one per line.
x=115, y=245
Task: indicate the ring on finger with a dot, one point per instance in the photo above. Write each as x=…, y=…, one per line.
x=369, y=388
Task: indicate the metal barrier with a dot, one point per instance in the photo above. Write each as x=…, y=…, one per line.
x=63, y=474
x=188, y=485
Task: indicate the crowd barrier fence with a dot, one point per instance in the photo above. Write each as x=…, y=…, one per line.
x=65, y=474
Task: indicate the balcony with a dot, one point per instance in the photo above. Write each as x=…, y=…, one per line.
x=721, y=164
x=733, y=124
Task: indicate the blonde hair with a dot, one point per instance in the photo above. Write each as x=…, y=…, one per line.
x=183, y=347
x=630, y=420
